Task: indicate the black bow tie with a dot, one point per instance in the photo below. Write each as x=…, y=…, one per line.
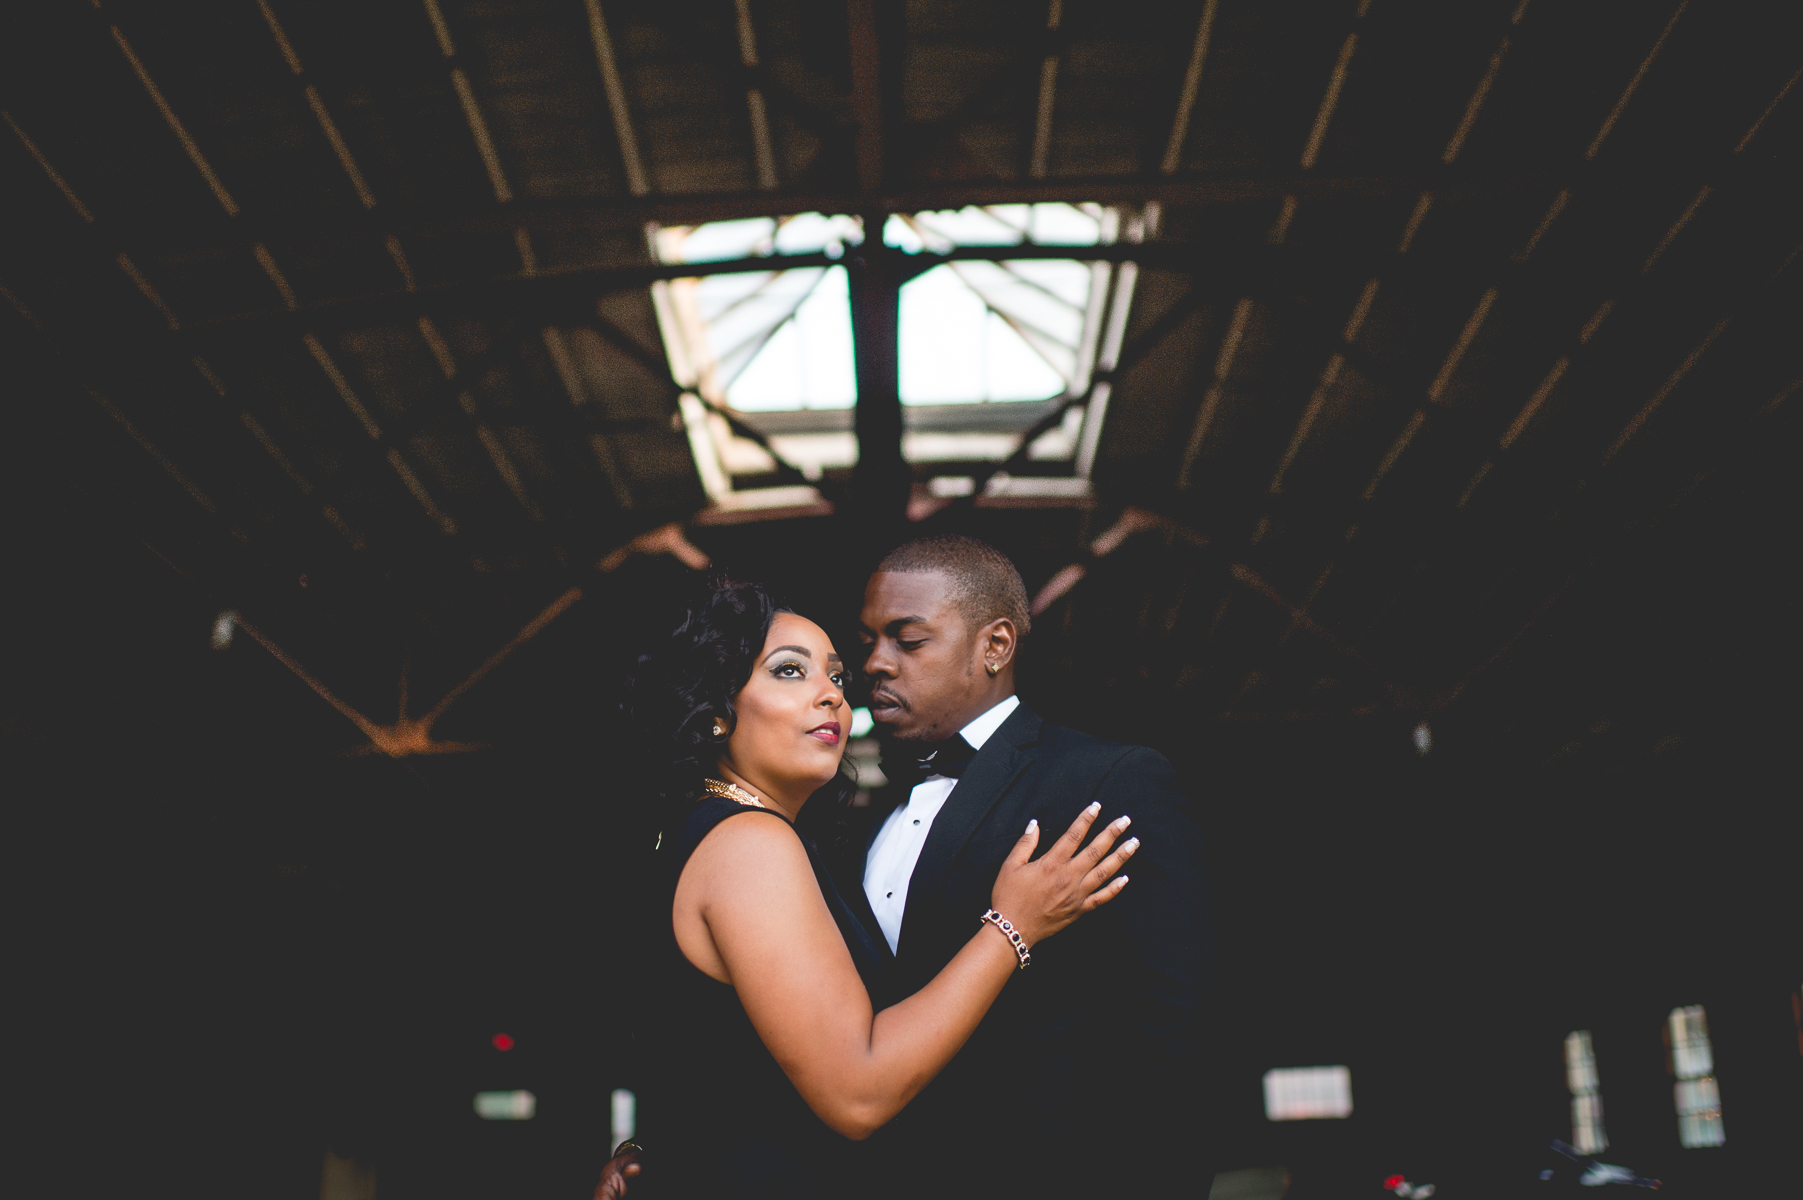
x=910, y=762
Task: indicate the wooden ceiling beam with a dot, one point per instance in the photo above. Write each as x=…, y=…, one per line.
x=566, y=295
x=201, y=234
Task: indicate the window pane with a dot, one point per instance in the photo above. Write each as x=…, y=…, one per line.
x=1587, y=1133
x=806, y=362
x=506, y=1106
x=1308, y=1093
x=1580, y=1063
x=1586, y=1104
x=1692, y=1054
x=955, y=349
x=1695, y=1096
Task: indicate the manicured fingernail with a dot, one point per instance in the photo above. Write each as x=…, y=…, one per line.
x=1095, y=808
x=1124, y=822
x=1123, y=879
x=1033, y=824
x=1131, y=846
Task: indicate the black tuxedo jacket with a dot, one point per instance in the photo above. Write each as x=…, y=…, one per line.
x=1087, y=1071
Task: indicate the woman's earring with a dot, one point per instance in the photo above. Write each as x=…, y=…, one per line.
x=719, y=728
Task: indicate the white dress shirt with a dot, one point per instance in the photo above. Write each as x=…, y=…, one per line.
x=890, y=863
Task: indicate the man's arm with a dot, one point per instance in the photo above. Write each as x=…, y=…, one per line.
x=1165, y=921
x=1157, y=938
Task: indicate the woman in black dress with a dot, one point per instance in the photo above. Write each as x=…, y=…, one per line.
x=774, y=1057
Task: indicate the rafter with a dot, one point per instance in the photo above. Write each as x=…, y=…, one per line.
x=1430, y=401
x=1048, y=92
x=198, y=234
x=763, y=150
x=1192, y=82
x=638, y=182
x=265, y=260
x=150, y=293
x=660, y=371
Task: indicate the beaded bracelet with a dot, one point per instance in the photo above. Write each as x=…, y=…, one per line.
x=1002, y=923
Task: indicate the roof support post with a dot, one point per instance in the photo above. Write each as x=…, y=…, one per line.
x=880, y=491
x=882, y=478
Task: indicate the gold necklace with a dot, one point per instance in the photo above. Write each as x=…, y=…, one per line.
x=730, y=791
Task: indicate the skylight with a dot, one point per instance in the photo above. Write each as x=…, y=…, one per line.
x=986, y=331
x=763, y=341
x=988, y=347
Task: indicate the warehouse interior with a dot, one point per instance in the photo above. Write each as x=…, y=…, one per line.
x=1391, y=407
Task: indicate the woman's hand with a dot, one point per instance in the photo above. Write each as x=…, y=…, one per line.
x=614, y=1175
x=1042, y=897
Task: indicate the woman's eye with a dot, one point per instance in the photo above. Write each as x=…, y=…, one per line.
x=789, y=670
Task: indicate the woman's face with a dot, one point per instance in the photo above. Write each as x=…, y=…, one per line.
x=791, y=713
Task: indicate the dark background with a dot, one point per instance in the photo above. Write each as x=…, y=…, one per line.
x=235, y=945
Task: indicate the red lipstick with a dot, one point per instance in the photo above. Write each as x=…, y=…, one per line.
x=827, y=732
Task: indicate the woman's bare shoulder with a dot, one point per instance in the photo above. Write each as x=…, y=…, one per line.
x=749, y=875
x=751, y=850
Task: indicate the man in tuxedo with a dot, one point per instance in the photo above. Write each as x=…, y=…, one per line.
x=1086, y=1078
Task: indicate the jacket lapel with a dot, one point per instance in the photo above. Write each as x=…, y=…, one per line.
x=986, y=779
x=849, y=889
x=846, y=866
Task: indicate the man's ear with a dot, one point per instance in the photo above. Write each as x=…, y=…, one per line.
x=998, y=641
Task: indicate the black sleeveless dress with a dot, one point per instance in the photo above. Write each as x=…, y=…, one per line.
x=730, y=1122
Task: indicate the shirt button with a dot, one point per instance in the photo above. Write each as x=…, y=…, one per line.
x=888, y=895
x=917, y=820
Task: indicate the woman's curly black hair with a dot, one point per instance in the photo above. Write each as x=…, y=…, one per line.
x=687, y=681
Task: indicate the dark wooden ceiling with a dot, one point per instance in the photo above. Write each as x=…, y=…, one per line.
x=1434, y=300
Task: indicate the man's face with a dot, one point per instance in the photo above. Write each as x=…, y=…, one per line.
x=925, y=666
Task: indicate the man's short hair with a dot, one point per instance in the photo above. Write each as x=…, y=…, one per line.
x=985, y=583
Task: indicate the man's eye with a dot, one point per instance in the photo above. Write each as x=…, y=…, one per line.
x=912, y=645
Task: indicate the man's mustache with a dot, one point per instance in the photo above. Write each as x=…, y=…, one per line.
x=889, y=696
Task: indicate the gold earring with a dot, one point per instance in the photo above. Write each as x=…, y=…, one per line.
x=992, y=667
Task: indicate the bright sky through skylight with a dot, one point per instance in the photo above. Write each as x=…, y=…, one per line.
x=970, y=331
x=997, y=225
x=807, y=363
x=956, y=346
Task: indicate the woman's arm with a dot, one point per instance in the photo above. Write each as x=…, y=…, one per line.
x=749, y=912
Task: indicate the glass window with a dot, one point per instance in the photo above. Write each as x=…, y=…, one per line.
x=1581, y=1078
x=987, y=348
x=761, y=340
x=981, y=331
x=518, y=1105
x=624, y=1111
x=1308, y=1093
x=1695, y=1096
